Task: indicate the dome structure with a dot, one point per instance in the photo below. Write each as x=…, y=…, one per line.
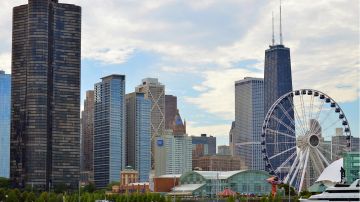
x=331, y=174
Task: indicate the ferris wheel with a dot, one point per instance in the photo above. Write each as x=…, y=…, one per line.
x=304, y=131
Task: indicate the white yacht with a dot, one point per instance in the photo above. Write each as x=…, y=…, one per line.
x=339, y=193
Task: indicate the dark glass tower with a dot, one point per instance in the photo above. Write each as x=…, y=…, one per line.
x=45, y=123
x=277, y=82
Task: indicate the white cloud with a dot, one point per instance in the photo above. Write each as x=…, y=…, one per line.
x=217, y=130
x=210, y=38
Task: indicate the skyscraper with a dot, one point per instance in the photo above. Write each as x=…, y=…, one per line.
x=155, y=92
x=109, y=129
x=277, y=82
x=138, y=134
x=231, y=138
x=5, y=100
x=45, y=125
x=249, y=116
x=87, y=122
x=170, y=110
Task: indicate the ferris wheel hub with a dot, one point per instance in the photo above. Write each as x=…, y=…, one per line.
x=314, y=140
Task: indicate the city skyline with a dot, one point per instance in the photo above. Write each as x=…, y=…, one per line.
x=151, y=56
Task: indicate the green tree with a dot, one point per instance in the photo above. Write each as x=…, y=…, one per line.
x=89, y=187
x=30, y=197
x=12, y=197
x=5, y=183
x=60, y=188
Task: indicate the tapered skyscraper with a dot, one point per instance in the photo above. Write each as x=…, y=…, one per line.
x=88, y=132
x=277, y=82
x=45, y=125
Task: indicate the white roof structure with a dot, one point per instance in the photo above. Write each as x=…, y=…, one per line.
x=221, y=175
x=331, y=174
x=187, y=187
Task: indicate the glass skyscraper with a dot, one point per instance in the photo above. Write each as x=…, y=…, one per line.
x=249, y=117
x=277, y=82
x=138, y=139
x=109, y=129
x=45, y=98
x=5, y=99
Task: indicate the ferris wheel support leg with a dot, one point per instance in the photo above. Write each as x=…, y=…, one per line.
x=304, y=170
x=322, y=157
x=301, y=162
x=292, y=168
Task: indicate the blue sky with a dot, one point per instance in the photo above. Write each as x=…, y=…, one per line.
x=199, y=48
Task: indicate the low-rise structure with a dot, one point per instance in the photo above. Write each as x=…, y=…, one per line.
x=223, y=150
x=218, y=163
x=211, y=183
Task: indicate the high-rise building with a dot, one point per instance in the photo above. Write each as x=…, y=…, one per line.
x=209, y=143
x=155, y=92
x=249, y=117
x=170, y=110
x=87, y=122
x=175, y=152
x=5, y=100
x=138, y=138
x=45, y=124
x=223, y=150
x=231, y=138
x=178, y=126
x=109, y=129
x=277, y=82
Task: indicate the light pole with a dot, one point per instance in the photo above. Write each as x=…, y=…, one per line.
x=79, y=191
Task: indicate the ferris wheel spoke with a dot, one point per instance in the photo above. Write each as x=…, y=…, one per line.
x=303, y=110
x=300, y=121
x=324, y=119
x=301, y=161
x=293, y=166
x=331, y=125
x=291, y=119
x=329, y=153
x=283, y=152
x=282, y=123
x=318, y=113
x=285, y=162
x=281, y=142
x=322, y=157
x=304, y=169
x=315, y=161
x=281, y=133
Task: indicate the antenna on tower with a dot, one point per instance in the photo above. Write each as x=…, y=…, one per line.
x=281, y=38
x=273, y=35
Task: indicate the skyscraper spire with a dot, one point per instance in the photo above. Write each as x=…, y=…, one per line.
x=273, y=35
x=281, y=37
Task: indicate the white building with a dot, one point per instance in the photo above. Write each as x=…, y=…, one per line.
x=249, y=117
x=175, y=152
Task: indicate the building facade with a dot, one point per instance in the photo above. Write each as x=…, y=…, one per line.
x=351, y=164
x=218, y=163
x=231, y=138
x=209, y=143
x=46, y=51
x=249, y=117
x=210, y=183
x=5, y=106
x=277, y=82
x=170, y=110
x=175, y=154
x=223, y=150
x=87, y=122
x=138, y=134
x=109, y=129
x=155, y=92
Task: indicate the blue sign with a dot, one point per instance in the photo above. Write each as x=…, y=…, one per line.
x=160, y=143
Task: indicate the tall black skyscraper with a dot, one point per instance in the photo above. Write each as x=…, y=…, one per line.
x=45, y=125
x=277, y=82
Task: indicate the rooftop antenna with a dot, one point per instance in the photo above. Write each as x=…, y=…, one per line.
x=281, y=38
x=273, y=35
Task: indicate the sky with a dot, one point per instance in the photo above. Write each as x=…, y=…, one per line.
x=198, y=49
